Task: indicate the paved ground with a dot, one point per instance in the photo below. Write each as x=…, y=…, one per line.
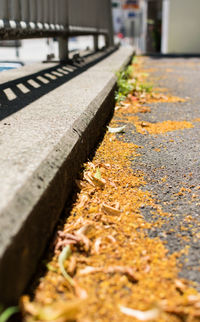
x=112, y=205
x=177, y=159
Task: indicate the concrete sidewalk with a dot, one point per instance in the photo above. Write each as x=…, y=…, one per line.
x=49, y=124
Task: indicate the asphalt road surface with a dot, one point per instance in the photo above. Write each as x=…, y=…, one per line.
x=174, y=156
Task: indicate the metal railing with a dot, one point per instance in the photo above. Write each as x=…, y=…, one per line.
x=21, y=19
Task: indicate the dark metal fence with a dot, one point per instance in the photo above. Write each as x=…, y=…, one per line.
x=21, y=19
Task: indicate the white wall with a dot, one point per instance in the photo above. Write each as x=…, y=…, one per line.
x=184, y=26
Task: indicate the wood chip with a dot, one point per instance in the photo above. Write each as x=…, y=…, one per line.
x=110, y=210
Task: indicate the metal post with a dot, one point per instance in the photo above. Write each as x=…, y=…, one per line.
x=165, y=26
x=106, y=37
x=109, y=41
x=63, y=48
x=109, y=38
x=96, y=42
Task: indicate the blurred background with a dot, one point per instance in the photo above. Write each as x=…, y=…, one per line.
x=151, y=26
x=158, y=26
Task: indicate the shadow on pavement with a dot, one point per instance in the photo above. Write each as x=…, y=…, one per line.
x=17, y=94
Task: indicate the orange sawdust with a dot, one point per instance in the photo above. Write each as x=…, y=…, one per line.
x=162, y=127
x=133, y=106
x=161, y=98
x=136, y=101
x=115, y=241
x=147, y=70
x=153, y=128
x=113, y=262
x=164, y=179
x=160, y=89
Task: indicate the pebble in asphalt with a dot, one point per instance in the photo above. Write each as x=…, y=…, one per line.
x=177, y=159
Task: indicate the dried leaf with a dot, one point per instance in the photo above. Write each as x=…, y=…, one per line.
x=128, y=271
x=125, y=104
x=86, y=242
x=141, y=315
x=111, y=238
x=84, y=229
x=117, y=205
x=105, y=165
x=116, y=129
x=99, y=182
x=91, y=179
x=75, y=238
x=72, y=265
x=88, y=179
x=180, y=286
x=82, y=237
x=89, y=270
x=66, y=239
x=110, y=210
x=97, y=245
x=80, y=292
x=144, y=124
x=91, y=165
x=110, y=270
x=83, y=200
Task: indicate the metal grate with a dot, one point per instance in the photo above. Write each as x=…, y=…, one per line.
x=55, y=18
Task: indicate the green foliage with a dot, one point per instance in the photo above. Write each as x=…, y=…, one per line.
x=98, y=174
x=134, y=60
x=127, y=83
x=64, y=255
x=123, y=83
x=145, y=87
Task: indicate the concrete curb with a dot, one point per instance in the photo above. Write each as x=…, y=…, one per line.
x=36, y=197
